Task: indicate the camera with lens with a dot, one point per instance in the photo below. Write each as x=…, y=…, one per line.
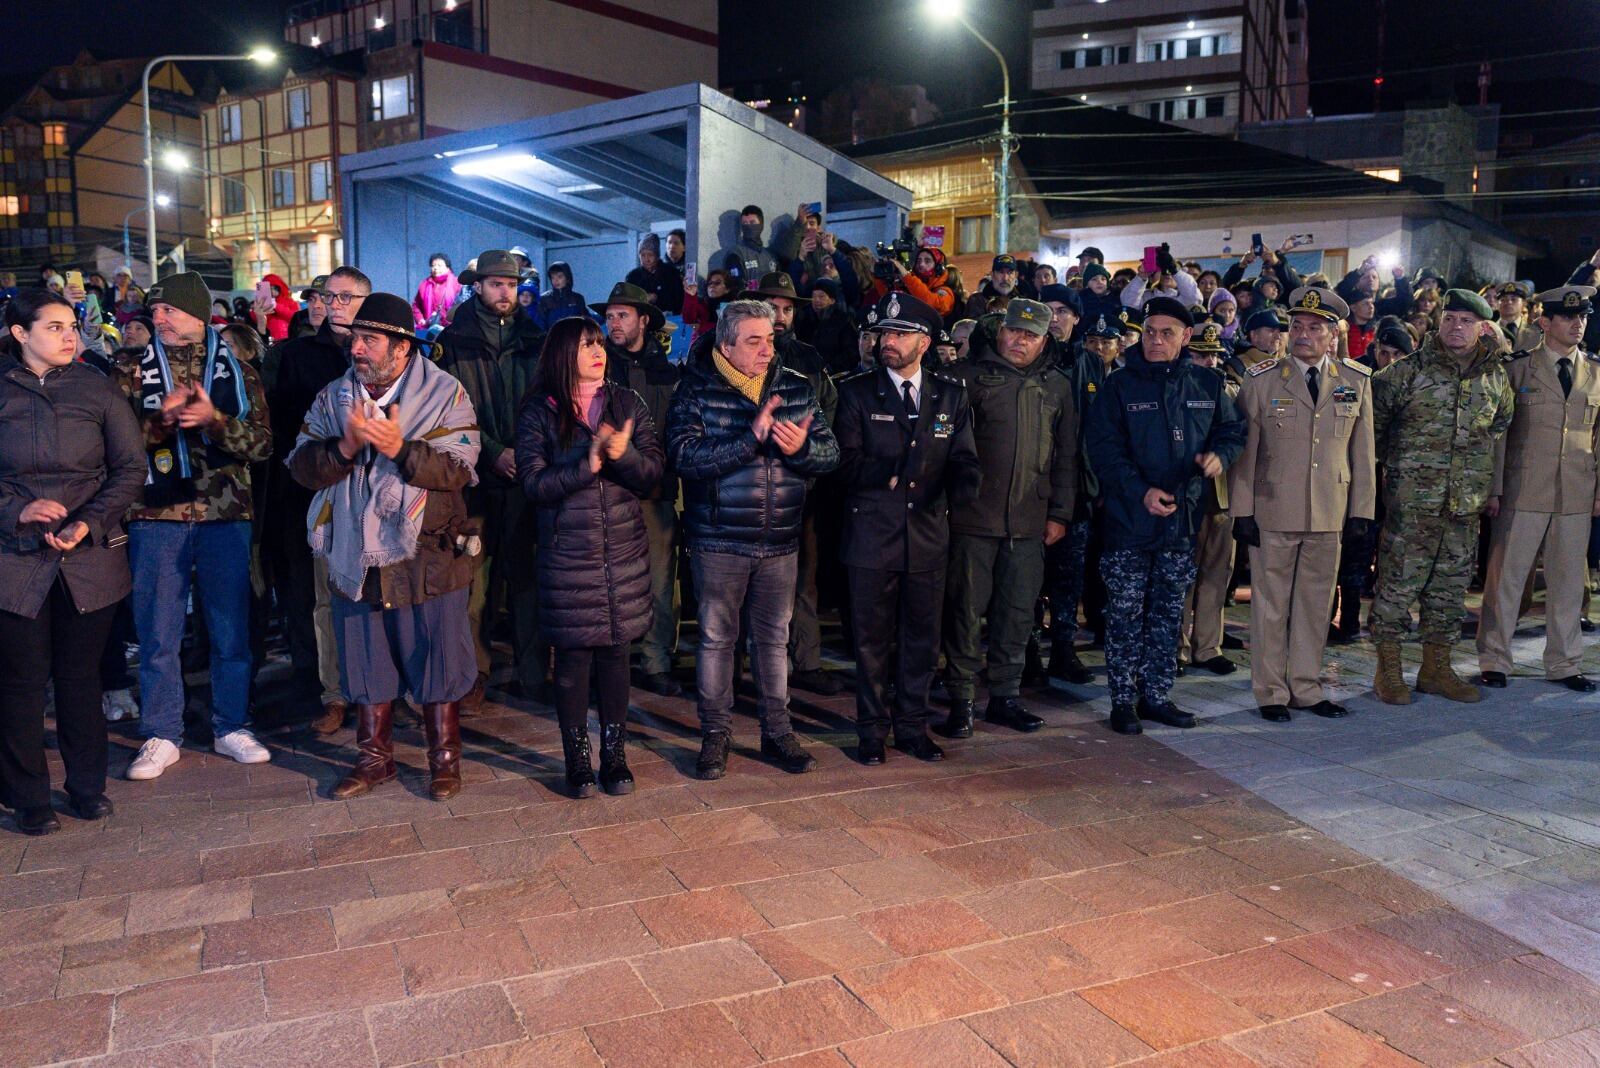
x=902, y=249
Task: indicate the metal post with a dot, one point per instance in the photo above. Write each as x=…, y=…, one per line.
x=1002, y=177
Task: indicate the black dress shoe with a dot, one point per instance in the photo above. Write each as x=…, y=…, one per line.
x=90, y=808
x=713, y=760
x=870, y=753
x=1179, y=671
x=1325, y=709
x=1008, y=712
x=1166, y=712
x=1219, y=665
x=1587, y=624
x=1125, y=720
x=36, y=821
x=1497, y=679
x=1230, y=642
x=787, y=752
x=1065, y=665
x=919, y=746
x=824, y=683
x=1577, y=684
x=1275, y=713
x=959, y=723
x=662, y=684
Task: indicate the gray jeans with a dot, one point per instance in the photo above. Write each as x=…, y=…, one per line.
x=762, y=588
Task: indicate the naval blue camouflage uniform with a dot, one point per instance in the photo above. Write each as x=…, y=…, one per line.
x=1146, y=429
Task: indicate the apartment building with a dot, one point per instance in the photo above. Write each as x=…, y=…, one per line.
x=363, y=74
x=1205, y=65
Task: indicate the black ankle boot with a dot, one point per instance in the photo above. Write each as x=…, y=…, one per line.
x=580, y=765
x=615, y=778
x=959, y=722
x=1034, y=675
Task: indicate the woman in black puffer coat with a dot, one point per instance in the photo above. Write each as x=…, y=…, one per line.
x=587, y=450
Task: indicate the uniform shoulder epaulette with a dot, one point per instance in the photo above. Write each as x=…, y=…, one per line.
x=1357, y=366
x=946, y=378
x=1263, y=367
x=1595, y=356
x=1519, y=354
x=852, y=376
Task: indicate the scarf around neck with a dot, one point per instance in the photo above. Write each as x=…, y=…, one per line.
x=373, y=517
x=749, y=386
x=170, y=472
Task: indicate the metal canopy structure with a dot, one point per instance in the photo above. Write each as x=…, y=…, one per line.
x=583, y=186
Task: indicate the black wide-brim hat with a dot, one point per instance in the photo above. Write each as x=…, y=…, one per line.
x=389, y=314
x=633, y=296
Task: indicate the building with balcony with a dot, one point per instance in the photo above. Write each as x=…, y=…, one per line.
x=71, y=166
x=360, y=75
x=1201, y=64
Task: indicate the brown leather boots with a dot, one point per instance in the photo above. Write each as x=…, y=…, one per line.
x=375, y=750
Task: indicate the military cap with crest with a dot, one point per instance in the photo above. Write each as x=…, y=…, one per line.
x=1208, y=339
x=904, y=314
x=1513, y=289
x=1029, y=315
x=1568, y=300
x=1104, y=328
x=1319, y=301
x=1132, y=321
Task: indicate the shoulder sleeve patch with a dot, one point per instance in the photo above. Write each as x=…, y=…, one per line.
x=1358, y=367
x=1263, y=367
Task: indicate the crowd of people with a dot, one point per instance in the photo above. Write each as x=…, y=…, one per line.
x=972, y=478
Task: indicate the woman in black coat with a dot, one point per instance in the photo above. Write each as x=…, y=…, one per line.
x=587, y=450
x=71, y=462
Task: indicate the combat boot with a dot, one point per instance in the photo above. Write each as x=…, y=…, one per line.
x=1388, y=684
x=1438, y=677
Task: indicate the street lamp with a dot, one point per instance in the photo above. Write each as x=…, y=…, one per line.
x=263, y=56
x=162, y=201
x=951, y=9
x=174, y=160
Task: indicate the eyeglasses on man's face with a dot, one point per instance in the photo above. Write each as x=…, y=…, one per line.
x=326, y=297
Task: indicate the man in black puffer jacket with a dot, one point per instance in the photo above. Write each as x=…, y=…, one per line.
x=745, y=433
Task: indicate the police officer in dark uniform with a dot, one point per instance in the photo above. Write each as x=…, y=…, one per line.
x=905, y=451
x=1161, y=429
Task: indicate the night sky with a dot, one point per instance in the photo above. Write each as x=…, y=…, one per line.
x=1431, y=51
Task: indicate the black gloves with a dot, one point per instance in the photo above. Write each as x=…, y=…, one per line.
x=1356, y=528
x=1245, y=531
x=1165, y=260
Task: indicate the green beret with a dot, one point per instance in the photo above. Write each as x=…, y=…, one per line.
x=1468, y=301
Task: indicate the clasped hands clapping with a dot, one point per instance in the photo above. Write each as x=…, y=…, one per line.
x=789, y=437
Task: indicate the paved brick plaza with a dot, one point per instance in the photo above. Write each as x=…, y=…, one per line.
x=1069, y=898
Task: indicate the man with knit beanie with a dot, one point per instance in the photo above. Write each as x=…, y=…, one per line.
x=204, y=415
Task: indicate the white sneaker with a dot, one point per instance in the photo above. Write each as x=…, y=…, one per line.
x=119, y=705
x=155, y=757
x=243, y=747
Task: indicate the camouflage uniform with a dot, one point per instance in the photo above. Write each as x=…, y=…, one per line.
x=1143, y=616
x=1436, y=427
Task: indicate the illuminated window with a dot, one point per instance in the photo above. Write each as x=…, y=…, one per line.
x=319, y=180
x=282, y=187
x=55, y=133
x=1388, y=174
x=972, y=233
x=297, y=107
x=10, y=206
x=391, y=98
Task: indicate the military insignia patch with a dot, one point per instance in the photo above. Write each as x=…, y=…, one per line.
x=1572, y=300
x=894, y=308
x=1311, y=300
x=163, y=461
x=1263, y=367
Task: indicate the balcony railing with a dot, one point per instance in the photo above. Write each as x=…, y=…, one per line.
x=442, y=28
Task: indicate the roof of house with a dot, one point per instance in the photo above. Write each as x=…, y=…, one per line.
x=1085, y=160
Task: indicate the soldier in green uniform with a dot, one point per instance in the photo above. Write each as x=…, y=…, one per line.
x=1436, y=418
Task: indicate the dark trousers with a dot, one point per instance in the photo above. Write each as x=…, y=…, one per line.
x=114, y=673
x=610, y=666
x=805, y=630
x=895, y=615
x=999, y=578
x=63, y=644
x=294, y=576
x=759, y=590
x=1064, y=564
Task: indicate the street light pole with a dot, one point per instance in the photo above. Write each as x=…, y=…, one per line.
x=162, y=200
x=1002, y=177
x=176, y=162
x=259, y=55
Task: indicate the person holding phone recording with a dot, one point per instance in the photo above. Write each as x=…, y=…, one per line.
x=1161, y=429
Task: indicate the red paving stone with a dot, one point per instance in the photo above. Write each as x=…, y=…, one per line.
x=1062, y=900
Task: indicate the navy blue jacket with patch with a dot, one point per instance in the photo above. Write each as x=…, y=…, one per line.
x=1149, y=424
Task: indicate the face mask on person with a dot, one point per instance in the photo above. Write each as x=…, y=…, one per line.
x=751, y=233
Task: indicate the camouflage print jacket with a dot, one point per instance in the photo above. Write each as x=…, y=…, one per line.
x=223, y=493
x=1436, y=427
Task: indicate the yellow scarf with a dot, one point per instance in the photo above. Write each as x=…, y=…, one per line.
x=750, y=387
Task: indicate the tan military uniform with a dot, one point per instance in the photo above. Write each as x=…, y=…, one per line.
x=1305, y=469
x=1547, y=480
x=1200, y=638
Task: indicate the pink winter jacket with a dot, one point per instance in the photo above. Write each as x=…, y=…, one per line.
x=435, y=295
